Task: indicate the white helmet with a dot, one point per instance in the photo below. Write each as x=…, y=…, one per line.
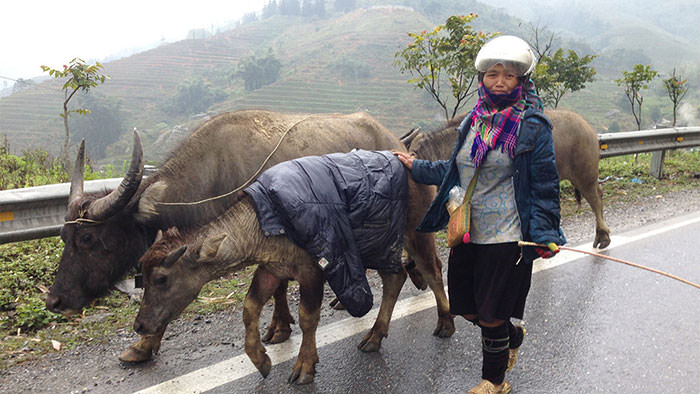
x=506, y=50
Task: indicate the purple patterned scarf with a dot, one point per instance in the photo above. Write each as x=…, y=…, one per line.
x=496, y=118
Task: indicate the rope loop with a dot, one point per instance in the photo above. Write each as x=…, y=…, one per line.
x=246, y=183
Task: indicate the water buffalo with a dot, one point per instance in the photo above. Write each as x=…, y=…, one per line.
x=106, y=234
x=577, y=155
x=179, y=263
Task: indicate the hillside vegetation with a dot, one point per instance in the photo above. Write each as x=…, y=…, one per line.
x=341, y=63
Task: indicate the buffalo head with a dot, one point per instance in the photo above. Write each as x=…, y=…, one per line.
x=173, y=275
x=102, y=238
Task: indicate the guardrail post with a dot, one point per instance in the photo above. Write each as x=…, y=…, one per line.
x=657, y=164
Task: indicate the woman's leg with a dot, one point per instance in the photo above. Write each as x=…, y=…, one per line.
x=495, y=350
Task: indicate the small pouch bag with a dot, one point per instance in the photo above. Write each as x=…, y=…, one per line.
x=460, y=218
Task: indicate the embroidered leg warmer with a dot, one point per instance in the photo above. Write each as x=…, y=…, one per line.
x=494, y=342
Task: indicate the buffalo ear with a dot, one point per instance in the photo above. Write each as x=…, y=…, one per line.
x=174, y=256
x=172, y=232
x=211, y=246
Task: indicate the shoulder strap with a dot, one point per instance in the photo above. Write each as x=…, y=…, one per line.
x=472, y=185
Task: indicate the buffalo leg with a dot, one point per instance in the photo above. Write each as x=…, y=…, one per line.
x=391, y=286
x=593, y=193
x=410, y=266
x=142, y=350
x=422, y=249
x=261, y=289
x=310, y=297
x=280, y=328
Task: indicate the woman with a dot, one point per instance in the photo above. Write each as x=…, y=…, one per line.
x=516, y=197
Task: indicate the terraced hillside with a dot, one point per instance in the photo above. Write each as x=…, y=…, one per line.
x=311, y=53
x=343, y=63
x=366, y=39
x=30, y=117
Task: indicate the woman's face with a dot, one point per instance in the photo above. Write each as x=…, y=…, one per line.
x=500, y=80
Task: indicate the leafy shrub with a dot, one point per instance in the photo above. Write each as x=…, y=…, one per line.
x=624, y=177
x=625, y=167
x=258, y=71
x=678, y=164
x=25, y=268
x=37, y=167
x=102, y=127
x=349, y=68
x=31, y=315
x=682, y=163
x=194, y=96
x=33, y=168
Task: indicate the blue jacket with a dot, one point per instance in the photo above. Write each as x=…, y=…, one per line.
x=347, y=208
x=535, y=181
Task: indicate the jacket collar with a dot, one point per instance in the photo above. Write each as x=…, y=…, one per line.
x=532, y=122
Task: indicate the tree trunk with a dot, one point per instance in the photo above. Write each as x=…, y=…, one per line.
x=66, y=141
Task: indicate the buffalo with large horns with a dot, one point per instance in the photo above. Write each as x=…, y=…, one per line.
x=105, y=234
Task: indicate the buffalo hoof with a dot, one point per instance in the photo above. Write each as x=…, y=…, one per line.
x=276, y=334
x=135, y=355
x=445, y=327
x=602, y=240
x=299, y=376
x=370, y=343
x=301, y=379
x=265, y=366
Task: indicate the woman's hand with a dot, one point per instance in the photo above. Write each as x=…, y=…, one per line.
x=405, y=158
x=548, y=252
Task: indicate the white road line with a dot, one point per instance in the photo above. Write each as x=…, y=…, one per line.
x=227, y=371
x=237, y=367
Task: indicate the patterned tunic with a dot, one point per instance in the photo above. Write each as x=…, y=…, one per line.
x=494, y=215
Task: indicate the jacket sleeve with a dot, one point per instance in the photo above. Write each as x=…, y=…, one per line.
x=544, y=191
x=429, y=172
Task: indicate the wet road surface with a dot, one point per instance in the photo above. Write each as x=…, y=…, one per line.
x=594, y=326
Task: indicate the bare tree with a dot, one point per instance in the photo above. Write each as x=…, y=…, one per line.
x=541, y=40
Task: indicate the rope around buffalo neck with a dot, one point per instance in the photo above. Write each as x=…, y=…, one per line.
x=83, y=221
x=246, y=183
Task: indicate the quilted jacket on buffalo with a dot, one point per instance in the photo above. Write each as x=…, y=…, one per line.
x=348, y=210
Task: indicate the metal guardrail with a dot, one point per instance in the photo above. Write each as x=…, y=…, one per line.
x=37, y=212
x=629, y=142
x=656, y=141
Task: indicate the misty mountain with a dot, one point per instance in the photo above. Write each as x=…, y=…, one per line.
x=343, y=62
x=665, y=32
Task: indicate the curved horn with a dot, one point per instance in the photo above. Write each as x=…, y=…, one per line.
x=76, y=180
x=407, y=138
x=174, y=256
x=119, y=197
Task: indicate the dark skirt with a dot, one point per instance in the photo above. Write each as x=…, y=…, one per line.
x=488, y=281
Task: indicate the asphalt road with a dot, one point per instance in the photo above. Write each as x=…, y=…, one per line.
x=594, y=326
